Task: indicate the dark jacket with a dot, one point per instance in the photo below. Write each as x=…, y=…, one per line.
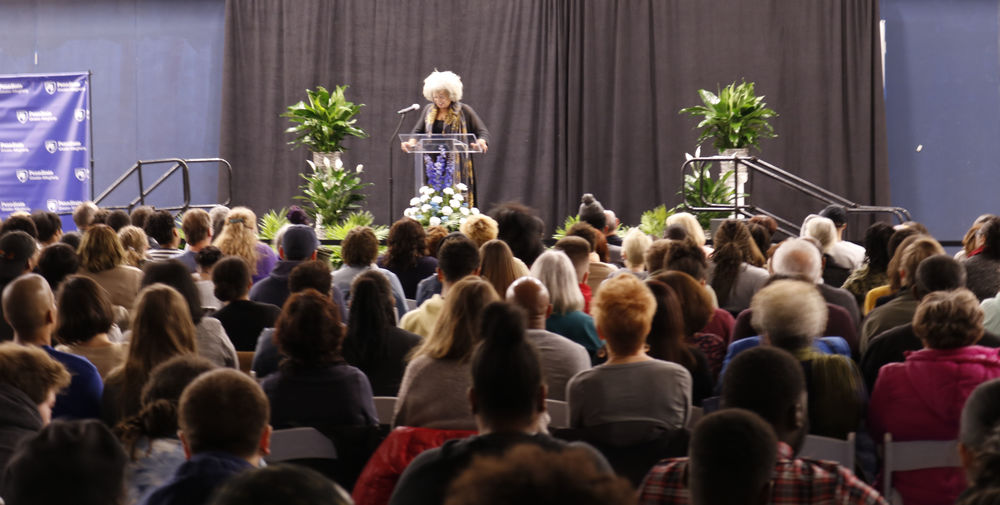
x=244, y=320
x=19, y=418
x=197, y=479
x=334, y=395
x=273, y=289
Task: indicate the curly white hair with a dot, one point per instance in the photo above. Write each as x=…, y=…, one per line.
x=447, y=81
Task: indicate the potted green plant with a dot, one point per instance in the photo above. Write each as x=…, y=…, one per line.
x=323, y=122
x=735, y=118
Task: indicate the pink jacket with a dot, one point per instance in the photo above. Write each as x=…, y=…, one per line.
x=922, y=399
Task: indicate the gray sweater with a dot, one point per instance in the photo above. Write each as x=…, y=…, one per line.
x=654, y=390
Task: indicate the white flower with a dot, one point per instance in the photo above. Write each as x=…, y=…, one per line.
x=464, y=211
x=424, y=190
x=446, y=211
x=425, y=208
x=459, y=197
x=437, y=199
x=449, y=191
x=311, y=165
x=462, y=187
x=435, y=221
x=414, y=201
x=359, y=168
x=425, y=198
x=455, y=203
x=337, y=164
x=409, y=212
x=474, y=211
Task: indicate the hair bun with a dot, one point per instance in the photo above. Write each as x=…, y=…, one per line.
x=503, y=324
x=587, y=199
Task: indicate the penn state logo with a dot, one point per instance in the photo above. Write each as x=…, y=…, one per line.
x=50, y=87
x=52, y=205
x=22, y=116
x=81, y=174
x=80, y=115
x=22, y=176
x=50, y=146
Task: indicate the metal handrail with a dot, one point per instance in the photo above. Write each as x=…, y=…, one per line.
x=178, y=164
x=760, y=167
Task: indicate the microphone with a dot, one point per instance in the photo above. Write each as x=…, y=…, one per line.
x=408, y=109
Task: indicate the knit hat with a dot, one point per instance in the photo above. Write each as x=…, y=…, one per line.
x=835, y=213
x=299, y=242
x=591, y=211
x=16, y=248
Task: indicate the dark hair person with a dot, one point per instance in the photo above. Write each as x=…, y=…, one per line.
x=242, y=319
x=872, y=273
x=733, y=276
x=84, y=322
x=666, y=341
x=406, y=255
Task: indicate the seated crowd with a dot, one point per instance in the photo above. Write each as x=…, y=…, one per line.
x=140, y=367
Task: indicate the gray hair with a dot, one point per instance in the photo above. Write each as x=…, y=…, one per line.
x=798, y=257
x=634, y=247
x=791, y=313
x=823, y=230
x=443, y=81
x=556, y=272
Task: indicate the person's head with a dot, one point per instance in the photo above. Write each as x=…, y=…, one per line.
x=556, y=272
x=790, y=314
x=837, y=214
x=920, y=249
x=656, y=254
x=768, y=222
x=666, y=332
x=239, y=236
x=634, y=247
x=175, y=274
x=503, y=401
x=876, y=244
x=218, y=214
x=360, y=247
x=57, y=261
x=287, y=484
x=100, y=249
x=731, y=459
x=938, y=273
x=371, y=316
x=990, y=237
x=798, y=258
x=299, y=243
x=231, y=277
x=529, y=475
x=611, y=222
x=457, y=258
x=733, y=247
x=685, y=256
x=435, y=234
x=761, y=237
x=206, y=258
x=531, y=295
x=135, y=243
x=675, y=232
x=949, y=319
x=78, y=462
x=623, y=313
x=160, y=225
x=443, y=88
x=224, y=410
x=17, y=254
x=19, y=223
x=457, y=330
x=86, y=310
x=480, y=228
x=521, y=229
x=72, y=239
x=32, y=371
x=407, y=242
x=197, y=226
x=823, y=230
x=696, y=304
x=591, y=212
x=980, y=423
x=118, y=219
x=48, y=225
x=690, y=224
x=83, y=215
x=497, y=265
x=769, y=382
x=313, y=274
x=140, y=214
x=161, y=329
x=30, y=308
x=578, y=250
x=309, y=331
x=595, y=239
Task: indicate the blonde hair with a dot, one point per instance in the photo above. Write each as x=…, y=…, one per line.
x=443, y=81
x=100, y=249
x=480, y=228
x=691, y=226
x=556, y=272
x=134, y=243
x=634, y=247
x=496, y=265
x=457, y=330
x=623, y=312
x=239, y=236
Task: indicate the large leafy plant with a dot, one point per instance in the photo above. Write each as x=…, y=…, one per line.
x=701, y=190
x=324, y=121
x=734, y=118
x=332, y=191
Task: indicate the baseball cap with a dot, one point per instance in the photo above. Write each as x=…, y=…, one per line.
x=299, y=242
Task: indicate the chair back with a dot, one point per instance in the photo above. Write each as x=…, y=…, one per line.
x=915, y=455
x=300, y=443
x=558, y=413
x=830, y=449
x=411, y=304
x=384, y=409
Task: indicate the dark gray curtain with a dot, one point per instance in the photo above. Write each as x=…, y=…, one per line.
x=579, y=96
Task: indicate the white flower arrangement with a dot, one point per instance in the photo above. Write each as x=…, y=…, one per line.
x=448, y=208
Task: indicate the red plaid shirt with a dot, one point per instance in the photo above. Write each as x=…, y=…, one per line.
x=796, y=481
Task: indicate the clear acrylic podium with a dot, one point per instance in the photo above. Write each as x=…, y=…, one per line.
x=457, y=144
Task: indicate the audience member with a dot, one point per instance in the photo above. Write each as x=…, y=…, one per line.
x=242, y=319
x=135, y=243
x=29, y=382
x=239, y=238
x=845, y=253
x=103, y=260
x=972, y=242
x=623, y=314
x=77, y=462
x=592, y=212
x=685, y=256
x=197, y=227
x=922, y=398
x=56, y=262
x=610, y=230
x=521, y=229
x=567, y=318
x=598, y=265
x=799, y=258
x=578, y=250
x=286, y=484
x=984, y=268
x=223, y=426
x=666, y=341
x=118, y=219
x=507, y=408
x=219, y=215
x=84, y=324
x=309, y=334
x=560, y=357
x=161, y=329
x=434, y=236
x=359, y=250
x=48, y=225
x=18, y=253
x=373, y=342
x=436, y=380
x=30, y=309
x=150, y=437
x=498, y=266
x=634, y=248
x=72, y=239
x=457, y=259
x=480, y=229
x=83, y=216
x=696, y=313
x=824, y=232
x=731, y=274
x=298, y=245
x=656, y=255
x=770, y=383
x=762, y=237
x=206, y=259
x=735, y=447
x=872, y=273
x=979, y=439
x=161, y=227
x=406, y=255
x=140, y=214
x=692, y=227
x=902, y=237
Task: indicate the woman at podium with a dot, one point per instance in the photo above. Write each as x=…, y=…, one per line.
x=447, y=114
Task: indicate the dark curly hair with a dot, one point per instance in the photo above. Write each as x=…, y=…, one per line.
x=309, y=331
x=407, y=243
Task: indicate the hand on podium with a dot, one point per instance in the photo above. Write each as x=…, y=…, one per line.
x=482, y=145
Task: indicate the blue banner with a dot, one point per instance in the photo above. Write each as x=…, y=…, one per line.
x=44, y=143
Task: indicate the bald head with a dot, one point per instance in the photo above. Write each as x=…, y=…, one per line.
x=531, y=295
x=30, y=309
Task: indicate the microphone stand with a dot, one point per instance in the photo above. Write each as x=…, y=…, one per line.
x=392, y=152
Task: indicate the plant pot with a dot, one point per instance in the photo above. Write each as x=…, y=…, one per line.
x=334, y=158
x=738, y=181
